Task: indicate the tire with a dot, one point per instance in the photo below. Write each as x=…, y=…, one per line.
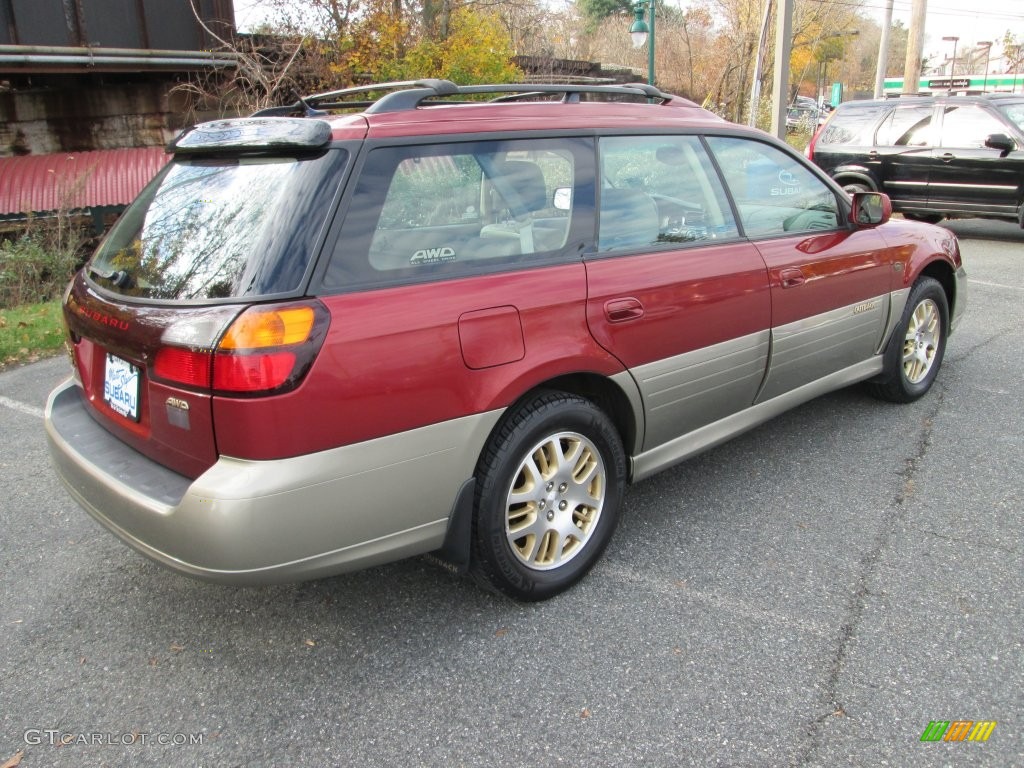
x=914, y=353
x=549, y=488
x=855, y=186
x=928, y=218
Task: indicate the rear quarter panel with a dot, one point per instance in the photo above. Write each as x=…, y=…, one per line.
x=394, y=360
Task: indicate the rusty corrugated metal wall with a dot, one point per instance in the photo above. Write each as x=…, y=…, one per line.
x=66, y=181
x=139, y=24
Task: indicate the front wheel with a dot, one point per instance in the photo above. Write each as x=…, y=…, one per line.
x=549, y=488
x=914, y=354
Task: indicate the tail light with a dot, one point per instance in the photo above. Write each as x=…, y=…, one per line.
x=265, y=349
x=809, y=152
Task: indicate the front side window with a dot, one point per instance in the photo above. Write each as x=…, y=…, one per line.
x=659, y=190
x=774, y=192
x=218, y=228
x=427, y=212
x=968, y=126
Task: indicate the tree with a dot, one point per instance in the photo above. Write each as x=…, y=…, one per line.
x=596, y=11
x=476, y=49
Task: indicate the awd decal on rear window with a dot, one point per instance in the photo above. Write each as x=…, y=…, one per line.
x=433, y=255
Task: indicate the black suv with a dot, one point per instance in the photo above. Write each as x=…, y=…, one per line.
x=949, y=155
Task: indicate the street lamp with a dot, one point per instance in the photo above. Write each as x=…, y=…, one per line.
x=640, y=32
x=988, y=53
x=952, y=67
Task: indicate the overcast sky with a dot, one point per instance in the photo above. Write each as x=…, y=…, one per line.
x=970, y=20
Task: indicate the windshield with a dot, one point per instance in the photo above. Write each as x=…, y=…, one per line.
x=220, y=228
x=1016, y=114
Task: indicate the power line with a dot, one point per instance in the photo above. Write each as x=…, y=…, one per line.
x=902, y=6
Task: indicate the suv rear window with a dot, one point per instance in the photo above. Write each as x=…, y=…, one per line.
x=851, y=125
x=220, y=228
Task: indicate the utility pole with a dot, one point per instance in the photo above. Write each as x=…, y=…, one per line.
x=883, y=52
x=780, y=84
x=915, y=47
x=755, y=87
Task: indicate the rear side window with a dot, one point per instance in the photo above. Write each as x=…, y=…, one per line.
x=852, y=125
x=429, y=212
x=907, y=127
x=659, y=190
x=220, y=228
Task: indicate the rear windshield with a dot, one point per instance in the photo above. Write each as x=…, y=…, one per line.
x=851, y=125
x=220, y=228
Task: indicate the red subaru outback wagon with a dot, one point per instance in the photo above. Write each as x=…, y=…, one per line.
x=397, y=320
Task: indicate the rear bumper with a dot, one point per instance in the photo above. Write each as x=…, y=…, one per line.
x=258, y=522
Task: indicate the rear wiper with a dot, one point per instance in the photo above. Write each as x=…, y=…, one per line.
x=119, y=278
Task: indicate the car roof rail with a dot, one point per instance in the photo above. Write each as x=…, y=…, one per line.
x=410, y=94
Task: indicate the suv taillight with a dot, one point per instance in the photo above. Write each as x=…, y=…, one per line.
x=266, y=349
x=809, y=152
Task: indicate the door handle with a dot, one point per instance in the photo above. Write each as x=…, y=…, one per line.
x=621, y=310
x=790, y=278
x=947, y=157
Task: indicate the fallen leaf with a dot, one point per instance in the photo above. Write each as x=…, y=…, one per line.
x=501, y=632
x=585, y=713
x=310, y=643
x=81, y=660
x=15, y=761
x=176, y=648
x=3, y=321
x=153, y=661
x=22, y=324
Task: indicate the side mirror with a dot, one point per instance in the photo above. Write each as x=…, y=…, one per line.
x=870, y=209
x=1002, y=142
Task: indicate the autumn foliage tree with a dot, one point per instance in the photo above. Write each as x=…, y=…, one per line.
x=476, y=48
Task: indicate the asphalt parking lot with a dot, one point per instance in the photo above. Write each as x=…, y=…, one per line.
x=814, y=593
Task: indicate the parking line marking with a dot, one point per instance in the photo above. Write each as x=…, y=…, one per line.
x=14, y=405
x=996, y=285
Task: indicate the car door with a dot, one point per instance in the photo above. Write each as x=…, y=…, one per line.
x=967, y=176
x=903, y=151
x=830, y=283
x=673, y=291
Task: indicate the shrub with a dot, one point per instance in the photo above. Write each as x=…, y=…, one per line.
x=34, y=268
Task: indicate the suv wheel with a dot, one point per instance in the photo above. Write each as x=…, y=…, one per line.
x=855, y=186
x=915, y=351
x=549, y=488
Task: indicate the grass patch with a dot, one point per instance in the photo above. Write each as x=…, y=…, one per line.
x=30, y=332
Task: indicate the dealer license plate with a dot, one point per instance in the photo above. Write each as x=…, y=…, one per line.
x=121, y=387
